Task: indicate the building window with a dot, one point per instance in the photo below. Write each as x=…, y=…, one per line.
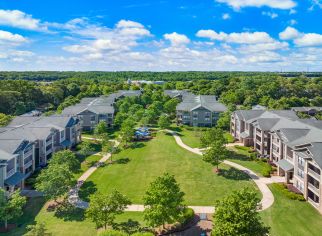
x=62, y=134
x=301, y=161
x=92, y=118
x=300, y=173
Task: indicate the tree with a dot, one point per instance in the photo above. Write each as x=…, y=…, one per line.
x=4, y=119
x=100, y=128
x=66, y=157
x=11, y=207
x=164, y=202
x=212, y=135
x=104, y=208
x=127, y=130
x=170, y=105
x=38, y=229
x=55, y=181
x=164, y=122
x=237, y=214
x=215, y=154
x=224, y=120
x=86, y=148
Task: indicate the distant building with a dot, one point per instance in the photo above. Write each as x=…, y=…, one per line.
x=312, y=111
x=140, y=82
x=259, y=107
x=90, y=111
x=197, y=110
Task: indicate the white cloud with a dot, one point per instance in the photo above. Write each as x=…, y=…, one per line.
x=315, y=3
x=245, y=49
x=19, y=19
x=289, y=33
x=8, y=37
x=310, y=39
x=239, y=38
x=278, y=4
x=226, y=16
x=293, y=22
x=177, y=39
x=292, y=11
x=270, y=14
x=128, y=24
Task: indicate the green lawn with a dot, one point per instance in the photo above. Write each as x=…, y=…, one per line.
x=291, y=217
x=64, y=223
x=135, y=168
x=241, y=156
x=86, y=163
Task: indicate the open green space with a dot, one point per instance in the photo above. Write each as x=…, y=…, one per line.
x=65, y=222
x=291, y=217
x=136, y=167
x=241, y=155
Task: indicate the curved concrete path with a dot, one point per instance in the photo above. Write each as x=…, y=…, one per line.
x=261, y=182
x=266, y=202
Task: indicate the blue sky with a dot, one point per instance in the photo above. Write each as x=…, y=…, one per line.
x=161, y=35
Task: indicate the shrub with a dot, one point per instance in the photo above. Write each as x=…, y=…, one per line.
x=188, y=215
x=266, y=171
x=143, y=234
x=287, y=193
x=112, y=233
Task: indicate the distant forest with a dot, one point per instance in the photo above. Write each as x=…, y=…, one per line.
x=132, y=75
x=21, y=92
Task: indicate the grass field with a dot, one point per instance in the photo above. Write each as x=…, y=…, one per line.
x=135, y=168
x=241, y=156
x=65, y=222
x=291, y=218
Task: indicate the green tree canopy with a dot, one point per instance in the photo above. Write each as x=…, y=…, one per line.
x=164, y=202
x=66, y=157
x=11, y=207
x=55, y=181
x=237, y=215
x=212, y=135
x=104, y=208
x=215, y=154
x=164, y=122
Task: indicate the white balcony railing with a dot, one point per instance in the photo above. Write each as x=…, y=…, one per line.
x=313, y=174
x=315, y=204
x=11, y=173
x=28, y=164
x=314, y=189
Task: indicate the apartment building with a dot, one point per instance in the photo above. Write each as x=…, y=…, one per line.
x=27, y=143
x=312, y=111
x=91, y=111
x=294, y=145
x=199, y=110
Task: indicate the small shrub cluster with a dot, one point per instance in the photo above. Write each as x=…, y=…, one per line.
x=121, y=233
x=266, y=172
x=188, y=215
x=287, y=193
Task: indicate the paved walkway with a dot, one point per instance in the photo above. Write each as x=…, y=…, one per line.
x=261, y=182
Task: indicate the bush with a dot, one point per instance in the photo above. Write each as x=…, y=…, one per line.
x=112, y=233
x=266, y=172
x=188, y=215
x=143, y=234
x=287, y=193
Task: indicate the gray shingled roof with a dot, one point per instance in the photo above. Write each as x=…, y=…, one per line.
x=176, y=93
x=316, y=150
x=4, y=156
x=306, y=109
x=193, y=102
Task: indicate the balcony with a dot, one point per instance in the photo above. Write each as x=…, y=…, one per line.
x=314, y=189
x=28, y=164
x=259, y=133
x=315, y=204
x=11, y=172
x=313, y=174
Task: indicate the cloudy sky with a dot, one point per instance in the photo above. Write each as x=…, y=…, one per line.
x=161, y=35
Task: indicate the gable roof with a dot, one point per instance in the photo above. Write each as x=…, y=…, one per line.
x=192, y=102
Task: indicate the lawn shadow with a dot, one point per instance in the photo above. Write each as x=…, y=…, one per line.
x=87, y=189
x=176, y=129
x=122, y=161
x=68, y=212
x=137, y=145
x=30, y=211
x=238, y=156
x=233, y=174
x=130, y=226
